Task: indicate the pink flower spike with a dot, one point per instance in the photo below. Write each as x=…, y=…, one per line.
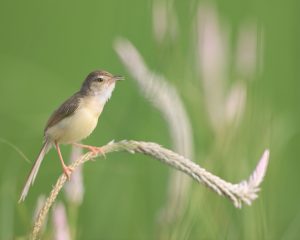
x=60, y=223
x=74, y=189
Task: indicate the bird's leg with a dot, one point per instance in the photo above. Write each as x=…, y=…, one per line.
x=67, y=170
x=93, y=149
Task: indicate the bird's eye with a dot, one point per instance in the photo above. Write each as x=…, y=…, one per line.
x=100, y=79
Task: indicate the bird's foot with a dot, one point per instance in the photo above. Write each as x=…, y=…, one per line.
x=67, y=171
x=93, y=149
x=97, y=150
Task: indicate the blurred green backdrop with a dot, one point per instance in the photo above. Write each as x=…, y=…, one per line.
x=46, y=50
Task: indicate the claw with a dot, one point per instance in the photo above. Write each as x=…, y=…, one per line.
x=93, y=149
x=67, y=171
x=97, y=150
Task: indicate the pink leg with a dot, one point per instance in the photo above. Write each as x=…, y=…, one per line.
x=93, y=149
x=67, y=170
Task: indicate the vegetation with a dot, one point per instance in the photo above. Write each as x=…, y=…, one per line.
x=230, y=67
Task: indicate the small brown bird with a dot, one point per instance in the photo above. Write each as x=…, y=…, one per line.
x=75, y=120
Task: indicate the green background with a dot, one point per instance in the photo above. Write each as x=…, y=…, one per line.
x=46, y=50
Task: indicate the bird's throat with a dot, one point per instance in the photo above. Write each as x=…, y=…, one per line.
x=104, y=95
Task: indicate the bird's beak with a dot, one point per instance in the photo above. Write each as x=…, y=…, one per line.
x=118, y=78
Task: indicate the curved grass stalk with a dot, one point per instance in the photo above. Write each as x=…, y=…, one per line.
x=243, y=192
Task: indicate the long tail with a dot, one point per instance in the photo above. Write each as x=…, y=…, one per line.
x=34, y=170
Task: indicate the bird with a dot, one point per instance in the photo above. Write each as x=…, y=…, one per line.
x=74, y=120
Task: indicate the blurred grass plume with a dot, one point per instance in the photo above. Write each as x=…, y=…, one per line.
x=163, y=96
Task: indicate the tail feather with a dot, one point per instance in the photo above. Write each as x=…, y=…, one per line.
x=34, y=170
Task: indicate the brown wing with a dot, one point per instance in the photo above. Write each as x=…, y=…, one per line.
x=65, y=110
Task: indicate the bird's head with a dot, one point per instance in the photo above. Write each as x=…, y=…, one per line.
x=100, y=83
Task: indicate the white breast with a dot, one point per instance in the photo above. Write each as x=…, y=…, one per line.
x=79, y=125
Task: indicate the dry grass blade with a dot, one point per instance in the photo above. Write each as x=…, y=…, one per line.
x=237, y=193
